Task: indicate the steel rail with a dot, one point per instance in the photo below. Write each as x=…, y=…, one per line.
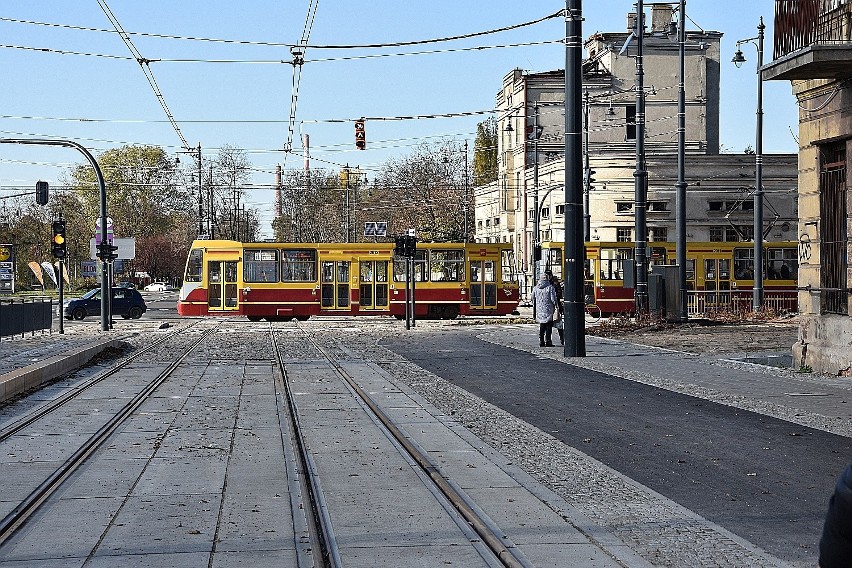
x=13, y=521
x=323, y=533
x=464, y=505
x=45, y=409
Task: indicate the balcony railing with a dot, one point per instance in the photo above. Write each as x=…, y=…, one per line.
x=805, y=23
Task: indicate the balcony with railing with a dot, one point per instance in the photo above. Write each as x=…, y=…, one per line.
x=813, y=40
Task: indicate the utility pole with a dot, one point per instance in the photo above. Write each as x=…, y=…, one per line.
x=575, y=250
x=536, y=206
x=587, y=181
x=200, y=203
x=640, y=174
x=466, y=182
x=683, y=316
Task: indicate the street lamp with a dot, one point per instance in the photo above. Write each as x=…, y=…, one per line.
x=738, y=60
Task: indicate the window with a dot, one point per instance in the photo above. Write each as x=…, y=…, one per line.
x=744, y=263
x=612, y=262
x=832, y=228
x=496, y=221
x=488, y=222
x=658, y=206
x=545, y=212
x=782, y=264
x=716, y=205
x=194, y=266
x=624, y=234
x=260, y=265
x=531, y=215
x=623, y=206
x=299, y=265
x=717, y=234
x=658, y=234
x=560, y=209
x=420, y=273
x=446, y=265
x=507, y=265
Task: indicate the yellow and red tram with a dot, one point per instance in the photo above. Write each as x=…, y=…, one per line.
x=720, y=275
x=277, y=281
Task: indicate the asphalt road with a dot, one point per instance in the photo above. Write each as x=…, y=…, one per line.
x=761, y=478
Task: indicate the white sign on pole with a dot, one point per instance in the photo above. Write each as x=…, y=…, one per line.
x=126, y=248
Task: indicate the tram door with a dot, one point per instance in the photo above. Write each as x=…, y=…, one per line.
x=222, y=285
x=335, y=284
x=483, y=284
x=373, y=284
x=717, y=281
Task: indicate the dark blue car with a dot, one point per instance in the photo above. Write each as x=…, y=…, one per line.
x=126, y=302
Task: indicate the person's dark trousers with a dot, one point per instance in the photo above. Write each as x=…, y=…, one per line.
x=835, y=546
x=545, y=334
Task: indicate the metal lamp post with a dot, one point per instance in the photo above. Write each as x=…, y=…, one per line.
x=738, y=60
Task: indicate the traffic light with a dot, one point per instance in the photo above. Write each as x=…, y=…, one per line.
x=590, y=180
x=536, y=252
x=41, y=192
x=58, y=244
x=360, y=135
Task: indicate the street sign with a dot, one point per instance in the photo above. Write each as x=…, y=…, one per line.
x=98, y=235
x=376, y=229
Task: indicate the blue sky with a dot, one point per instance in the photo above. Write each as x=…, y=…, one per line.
x=103, y=102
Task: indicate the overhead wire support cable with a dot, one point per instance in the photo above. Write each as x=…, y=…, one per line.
x=144, y=64
x=301, y=44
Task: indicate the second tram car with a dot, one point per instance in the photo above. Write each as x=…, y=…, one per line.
x=720, y=275
x=276, y=281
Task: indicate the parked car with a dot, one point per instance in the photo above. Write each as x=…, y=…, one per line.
x=157, y=287
x=126, y=302
x=125, y=284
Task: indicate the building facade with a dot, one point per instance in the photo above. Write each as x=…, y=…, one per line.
x=530, y=124
x=813, y=50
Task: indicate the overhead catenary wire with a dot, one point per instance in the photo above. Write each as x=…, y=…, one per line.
x=301, y=44
x=146, y=69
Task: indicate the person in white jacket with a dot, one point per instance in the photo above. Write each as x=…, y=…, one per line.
x=544, y=299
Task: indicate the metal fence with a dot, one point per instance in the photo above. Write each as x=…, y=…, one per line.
x=22, y=315
x=739, y=302
x=804, y=23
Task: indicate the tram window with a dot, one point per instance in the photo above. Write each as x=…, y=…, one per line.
x=194, y=266
x=507, y=265
x=489, y=271
x=446, y=265
x=299, y=265
x=724, y=269
x=420, y=274
x=658, y=255
x=744, y=263
x=260, y=265
x=690, y=269
x=612, y=262
x=782, y=264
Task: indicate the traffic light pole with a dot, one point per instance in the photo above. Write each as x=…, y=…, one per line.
x=105, y=297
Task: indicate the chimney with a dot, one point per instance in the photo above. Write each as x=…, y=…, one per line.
x=661, y=17
x=631, y=21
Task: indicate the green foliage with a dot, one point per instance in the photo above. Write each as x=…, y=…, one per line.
x=485, y=152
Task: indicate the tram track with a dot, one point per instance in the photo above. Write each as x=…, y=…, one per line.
x=30, y=504
x=497, y=547
x=45, y=409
